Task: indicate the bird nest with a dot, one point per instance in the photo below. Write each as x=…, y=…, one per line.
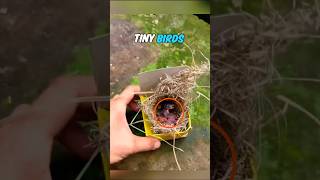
x=175, y=91
x=243, y=68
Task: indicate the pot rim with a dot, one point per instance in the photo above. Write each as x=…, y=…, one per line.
x=176, y=102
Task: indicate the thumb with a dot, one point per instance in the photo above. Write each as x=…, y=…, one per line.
x=145, y=144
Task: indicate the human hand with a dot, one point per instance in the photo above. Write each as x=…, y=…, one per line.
x=122, y=142
x=27, y=135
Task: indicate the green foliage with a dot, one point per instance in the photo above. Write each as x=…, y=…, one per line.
x=200, y=109
x=196, y=31
x=150, y=67
x=82, y=59
x=135, y=80
x=101, y=29
x=81, y=64
x=290, y=147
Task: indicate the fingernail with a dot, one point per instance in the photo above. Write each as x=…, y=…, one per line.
x=157, y=145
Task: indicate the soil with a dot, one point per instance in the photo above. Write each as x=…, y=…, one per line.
x=126, y=57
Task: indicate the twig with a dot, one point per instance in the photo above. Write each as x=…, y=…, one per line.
x=135, y=116
x=203, y=86
x=102, y=98
x=94, y=108
x=174, y=151
x=140, y=121
x=91, y=99
x=143, y=92
x=300, y=108
x=201, y=94
x=158, y=138
x=299, y=79
x=85, y=168
x=204, y=56
x=192, y=53
x=229, y=114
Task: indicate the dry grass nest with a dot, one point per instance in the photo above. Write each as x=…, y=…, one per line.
x=243, y=66
x=180, y=87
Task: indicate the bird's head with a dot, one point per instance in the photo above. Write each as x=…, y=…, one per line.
x=169, y=106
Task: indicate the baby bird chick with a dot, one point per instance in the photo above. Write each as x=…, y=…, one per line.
x=167, y=114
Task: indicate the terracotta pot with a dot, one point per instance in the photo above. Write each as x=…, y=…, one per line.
x=175, y=101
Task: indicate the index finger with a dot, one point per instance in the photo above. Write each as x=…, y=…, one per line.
x=65, y=88
x=55, y=104
x=127, y=95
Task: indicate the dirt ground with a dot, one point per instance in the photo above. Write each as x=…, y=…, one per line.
x=126, y=57
x=36, y=42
